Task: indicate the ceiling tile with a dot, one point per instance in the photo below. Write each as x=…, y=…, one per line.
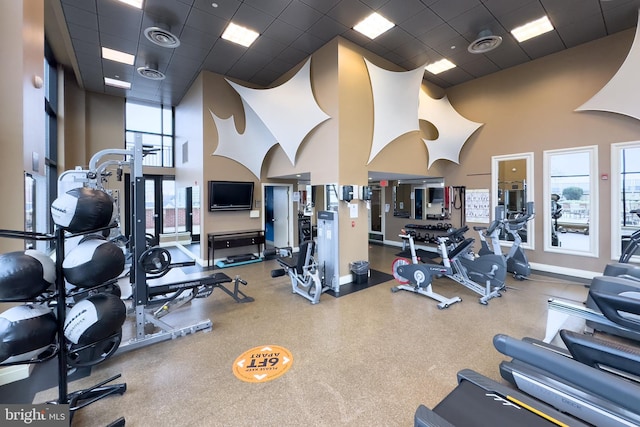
x=80, y=17
x=272, y=7
x=127, y=27
x=398, y=11
x=300, y=15
x=308, y=43
x=349, y=13
x=421, y=22
x=326, y=29
x=89, y=6
x=543, y=45
x=283, y=32
x=583, y=31
x=225, y=9
x=252, y=18
x=206, y=22
x=449, y=9
x=292, y=30
x=321, y=5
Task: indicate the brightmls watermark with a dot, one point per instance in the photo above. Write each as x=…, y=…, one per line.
x=35, y=415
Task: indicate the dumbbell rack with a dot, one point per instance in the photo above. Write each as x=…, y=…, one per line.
x=80, y=398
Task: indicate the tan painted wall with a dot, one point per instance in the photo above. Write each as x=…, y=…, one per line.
x=72, y=149
x=220, y=98
x=22, y=113
x=530, y=108
x=525, y=108
x=105, y=123
x=321, y=142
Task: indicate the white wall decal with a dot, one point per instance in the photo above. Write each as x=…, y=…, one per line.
x=395, y=104
x=289, y=111
x=620, y=94
x=249, y=148
x=453, y=129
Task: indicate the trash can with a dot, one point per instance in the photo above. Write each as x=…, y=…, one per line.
x=360, y=271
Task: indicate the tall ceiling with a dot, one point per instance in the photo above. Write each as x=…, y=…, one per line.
x=291, y=30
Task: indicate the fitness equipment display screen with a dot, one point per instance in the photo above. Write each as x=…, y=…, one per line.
x=230, y=196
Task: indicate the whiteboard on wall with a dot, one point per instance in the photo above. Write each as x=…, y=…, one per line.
x=477, y=206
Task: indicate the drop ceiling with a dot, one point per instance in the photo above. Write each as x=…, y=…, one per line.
x=291, y=30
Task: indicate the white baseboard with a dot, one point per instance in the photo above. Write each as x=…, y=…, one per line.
x=14, y=373
x=572, y=272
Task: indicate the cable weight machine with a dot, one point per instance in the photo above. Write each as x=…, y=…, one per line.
x=139, y=251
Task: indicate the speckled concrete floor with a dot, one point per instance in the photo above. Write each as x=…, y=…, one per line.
x=368, y=358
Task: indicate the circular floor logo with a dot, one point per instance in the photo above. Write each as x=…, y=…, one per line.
x=263, y=363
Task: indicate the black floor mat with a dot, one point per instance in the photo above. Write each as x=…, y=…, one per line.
x=375, y=278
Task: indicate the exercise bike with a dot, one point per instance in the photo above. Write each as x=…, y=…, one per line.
x=416, y=277
x=517, y=262
x=470, y=270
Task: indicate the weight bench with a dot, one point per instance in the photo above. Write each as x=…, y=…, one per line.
x=170, y=295
x=303, y=272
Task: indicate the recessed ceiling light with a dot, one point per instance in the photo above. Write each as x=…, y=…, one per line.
x=116, y=55
x=440, y=66
x=532, y=29
x=240, y=35
x=374, y=25
x=117, y=83
x=134, y=3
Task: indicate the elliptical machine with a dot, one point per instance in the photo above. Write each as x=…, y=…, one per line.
x=517, y=262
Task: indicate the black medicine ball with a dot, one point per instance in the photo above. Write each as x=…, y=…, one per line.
x=25, y=332
x=93, y=262
x=25, y=275
x=94, y=318
x=82, y=209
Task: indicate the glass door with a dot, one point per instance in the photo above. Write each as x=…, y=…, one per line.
x=375, y=214
x=159, y=205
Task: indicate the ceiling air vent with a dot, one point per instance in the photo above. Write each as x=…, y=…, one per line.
x=484, y=43
x=150, y=72
x=161, y=36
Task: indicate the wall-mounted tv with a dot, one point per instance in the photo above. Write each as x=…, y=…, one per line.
x=436, y=195
x=230, y=196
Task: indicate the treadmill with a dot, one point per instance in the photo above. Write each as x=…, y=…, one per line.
x=480, y=401
x=593, y=395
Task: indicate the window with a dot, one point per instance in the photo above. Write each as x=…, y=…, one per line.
x=571, y=201
x=153, y=126
x=51, y=146
x=625, y=194
x=512, y=188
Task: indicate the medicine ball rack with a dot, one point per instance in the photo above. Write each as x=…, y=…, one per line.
x=80, y=398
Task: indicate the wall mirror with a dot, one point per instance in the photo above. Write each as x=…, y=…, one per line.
x=571, y=201
x=511, y=189
x=625, y=195
x=419, y=199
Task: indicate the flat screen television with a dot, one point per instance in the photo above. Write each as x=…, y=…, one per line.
x=436, y=195
x=230, y=196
